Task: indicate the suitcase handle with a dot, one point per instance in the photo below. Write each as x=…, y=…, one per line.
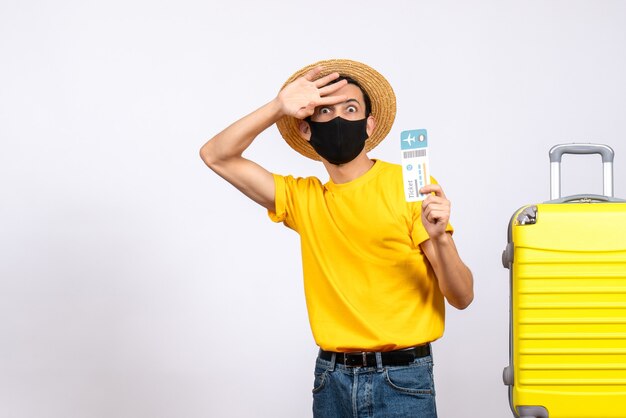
x=556, y=154
x=586, y=198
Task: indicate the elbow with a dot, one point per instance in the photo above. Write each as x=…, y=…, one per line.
x=463, y=302
x=462, y=295
x=463, y=299
x=207, y=155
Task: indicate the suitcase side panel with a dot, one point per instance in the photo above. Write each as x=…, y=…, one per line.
x=568, y=311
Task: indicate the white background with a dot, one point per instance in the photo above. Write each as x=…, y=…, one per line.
x=134, y=282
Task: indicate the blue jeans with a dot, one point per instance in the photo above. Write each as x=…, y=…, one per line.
x=374, y=392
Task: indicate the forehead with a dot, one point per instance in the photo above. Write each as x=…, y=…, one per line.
x=351, y=91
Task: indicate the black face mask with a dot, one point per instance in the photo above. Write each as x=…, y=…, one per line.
x=339, y=140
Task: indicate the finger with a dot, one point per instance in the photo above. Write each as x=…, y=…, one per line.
x=435, y=204
x=306, y=111
x=321, y=82
x=439, y=212
x=313, y=72
x=436, y=216
x=330, y=89
x=429, y=216
x=433, y=188
x=332, y=100
x=435, y=201
x=431, y=199
x=437, y=208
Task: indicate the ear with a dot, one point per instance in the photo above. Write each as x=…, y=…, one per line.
x=305, y=130
x=371, y=125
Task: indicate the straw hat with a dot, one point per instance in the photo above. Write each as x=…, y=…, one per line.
x=375, y=85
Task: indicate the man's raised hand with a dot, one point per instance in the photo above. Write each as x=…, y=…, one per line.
x=300, y=97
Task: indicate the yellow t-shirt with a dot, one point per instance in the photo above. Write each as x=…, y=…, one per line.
x=368, y=285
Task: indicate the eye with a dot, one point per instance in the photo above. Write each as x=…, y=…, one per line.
x=351, y=109
x=324, y=110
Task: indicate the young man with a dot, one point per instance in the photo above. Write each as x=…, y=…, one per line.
x=376, y=268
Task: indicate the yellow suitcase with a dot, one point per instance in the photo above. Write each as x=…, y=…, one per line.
x=567, y=262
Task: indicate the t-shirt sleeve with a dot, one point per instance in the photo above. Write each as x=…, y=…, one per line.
x=279, y=213
x=284, y=210
x=418, y=233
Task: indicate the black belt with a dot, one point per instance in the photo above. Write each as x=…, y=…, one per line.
x=368, y=358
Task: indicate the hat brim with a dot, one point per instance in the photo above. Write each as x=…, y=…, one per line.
x=378, y=89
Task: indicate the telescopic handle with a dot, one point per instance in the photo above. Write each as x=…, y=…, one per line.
x=556, y=154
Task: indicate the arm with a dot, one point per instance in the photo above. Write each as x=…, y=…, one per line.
x=223, y=155
x=455, y=279
x=223, y=152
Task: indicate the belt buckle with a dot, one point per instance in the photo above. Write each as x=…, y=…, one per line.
x=350, y=358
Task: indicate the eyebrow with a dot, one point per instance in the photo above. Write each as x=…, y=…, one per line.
x=352, y=100
x=347, y=101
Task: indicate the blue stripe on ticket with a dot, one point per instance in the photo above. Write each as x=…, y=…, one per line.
x=414, y=139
